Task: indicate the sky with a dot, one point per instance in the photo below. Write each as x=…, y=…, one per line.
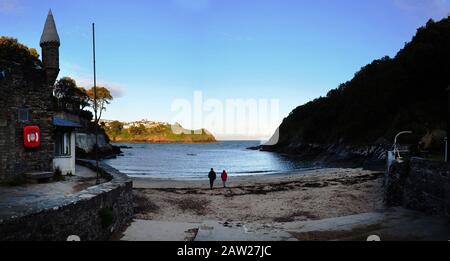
x=153, y=53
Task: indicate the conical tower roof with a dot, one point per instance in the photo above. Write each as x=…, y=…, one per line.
x=50, y=34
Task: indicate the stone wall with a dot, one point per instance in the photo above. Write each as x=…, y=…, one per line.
x=24, y=88
x=419, y=184
x=50, y=60
x=93, y=214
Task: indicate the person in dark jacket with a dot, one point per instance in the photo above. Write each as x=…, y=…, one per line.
x=224, y=177
x=212, y=177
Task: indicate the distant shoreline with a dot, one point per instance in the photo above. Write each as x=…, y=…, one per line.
x=164, y=142
x=181, y=142
x=155, y=132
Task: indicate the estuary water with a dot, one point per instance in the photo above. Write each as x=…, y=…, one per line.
x=194, y=161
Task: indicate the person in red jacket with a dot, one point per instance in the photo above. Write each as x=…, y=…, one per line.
x=224, y=178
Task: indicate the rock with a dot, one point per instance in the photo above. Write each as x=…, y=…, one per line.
x=85, y=146
x=86, y=141
x=336, y=155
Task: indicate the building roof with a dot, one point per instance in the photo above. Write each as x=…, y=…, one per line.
x=50, y=34
x=60, y=122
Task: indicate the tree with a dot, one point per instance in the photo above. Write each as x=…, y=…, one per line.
x=137, y=130
x=104, y=98
x=65, y=89
x=34, y=53
x=115, y=128
x=13, y=52
x=84, y=98
x=69, y=95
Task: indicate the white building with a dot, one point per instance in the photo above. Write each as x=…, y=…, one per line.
x=65, y=135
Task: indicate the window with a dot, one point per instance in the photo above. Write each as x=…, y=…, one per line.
x=23, y=115
x=62, y=144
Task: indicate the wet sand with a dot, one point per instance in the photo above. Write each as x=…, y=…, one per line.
x=288, y=197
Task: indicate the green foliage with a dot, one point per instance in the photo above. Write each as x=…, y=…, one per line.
x=137, y=130
x=71, y=98
x=114, y=129
x=156, y=133
x=103, y=97
x=84, y=97
x=407, y=92
x=66, y=90
x=14, y=53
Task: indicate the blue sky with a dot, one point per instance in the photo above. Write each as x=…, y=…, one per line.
x=153, y=52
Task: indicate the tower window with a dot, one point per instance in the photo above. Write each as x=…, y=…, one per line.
x=23, y=115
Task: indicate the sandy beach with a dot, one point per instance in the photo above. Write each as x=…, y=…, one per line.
x=289, y=197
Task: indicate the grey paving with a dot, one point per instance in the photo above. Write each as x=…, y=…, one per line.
x=147, y=230
x=219, y=231
x=395, y=224
x=26, y=199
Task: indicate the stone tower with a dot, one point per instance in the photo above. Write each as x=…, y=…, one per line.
x=50, y=49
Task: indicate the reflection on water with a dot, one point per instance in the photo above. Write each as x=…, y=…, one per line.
x=193, y=161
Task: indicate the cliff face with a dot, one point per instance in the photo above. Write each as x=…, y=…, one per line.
x=362, y=116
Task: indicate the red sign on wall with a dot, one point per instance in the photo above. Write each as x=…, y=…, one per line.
x=32, y=137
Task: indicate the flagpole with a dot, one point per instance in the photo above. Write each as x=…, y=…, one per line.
x=95, y=106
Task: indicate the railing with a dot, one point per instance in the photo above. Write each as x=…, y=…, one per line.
x=397, y=151
x=397, y=148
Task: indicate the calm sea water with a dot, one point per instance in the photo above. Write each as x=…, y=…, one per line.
x=193, y=161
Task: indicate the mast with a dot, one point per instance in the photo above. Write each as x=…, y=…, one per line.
x=95, y=106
